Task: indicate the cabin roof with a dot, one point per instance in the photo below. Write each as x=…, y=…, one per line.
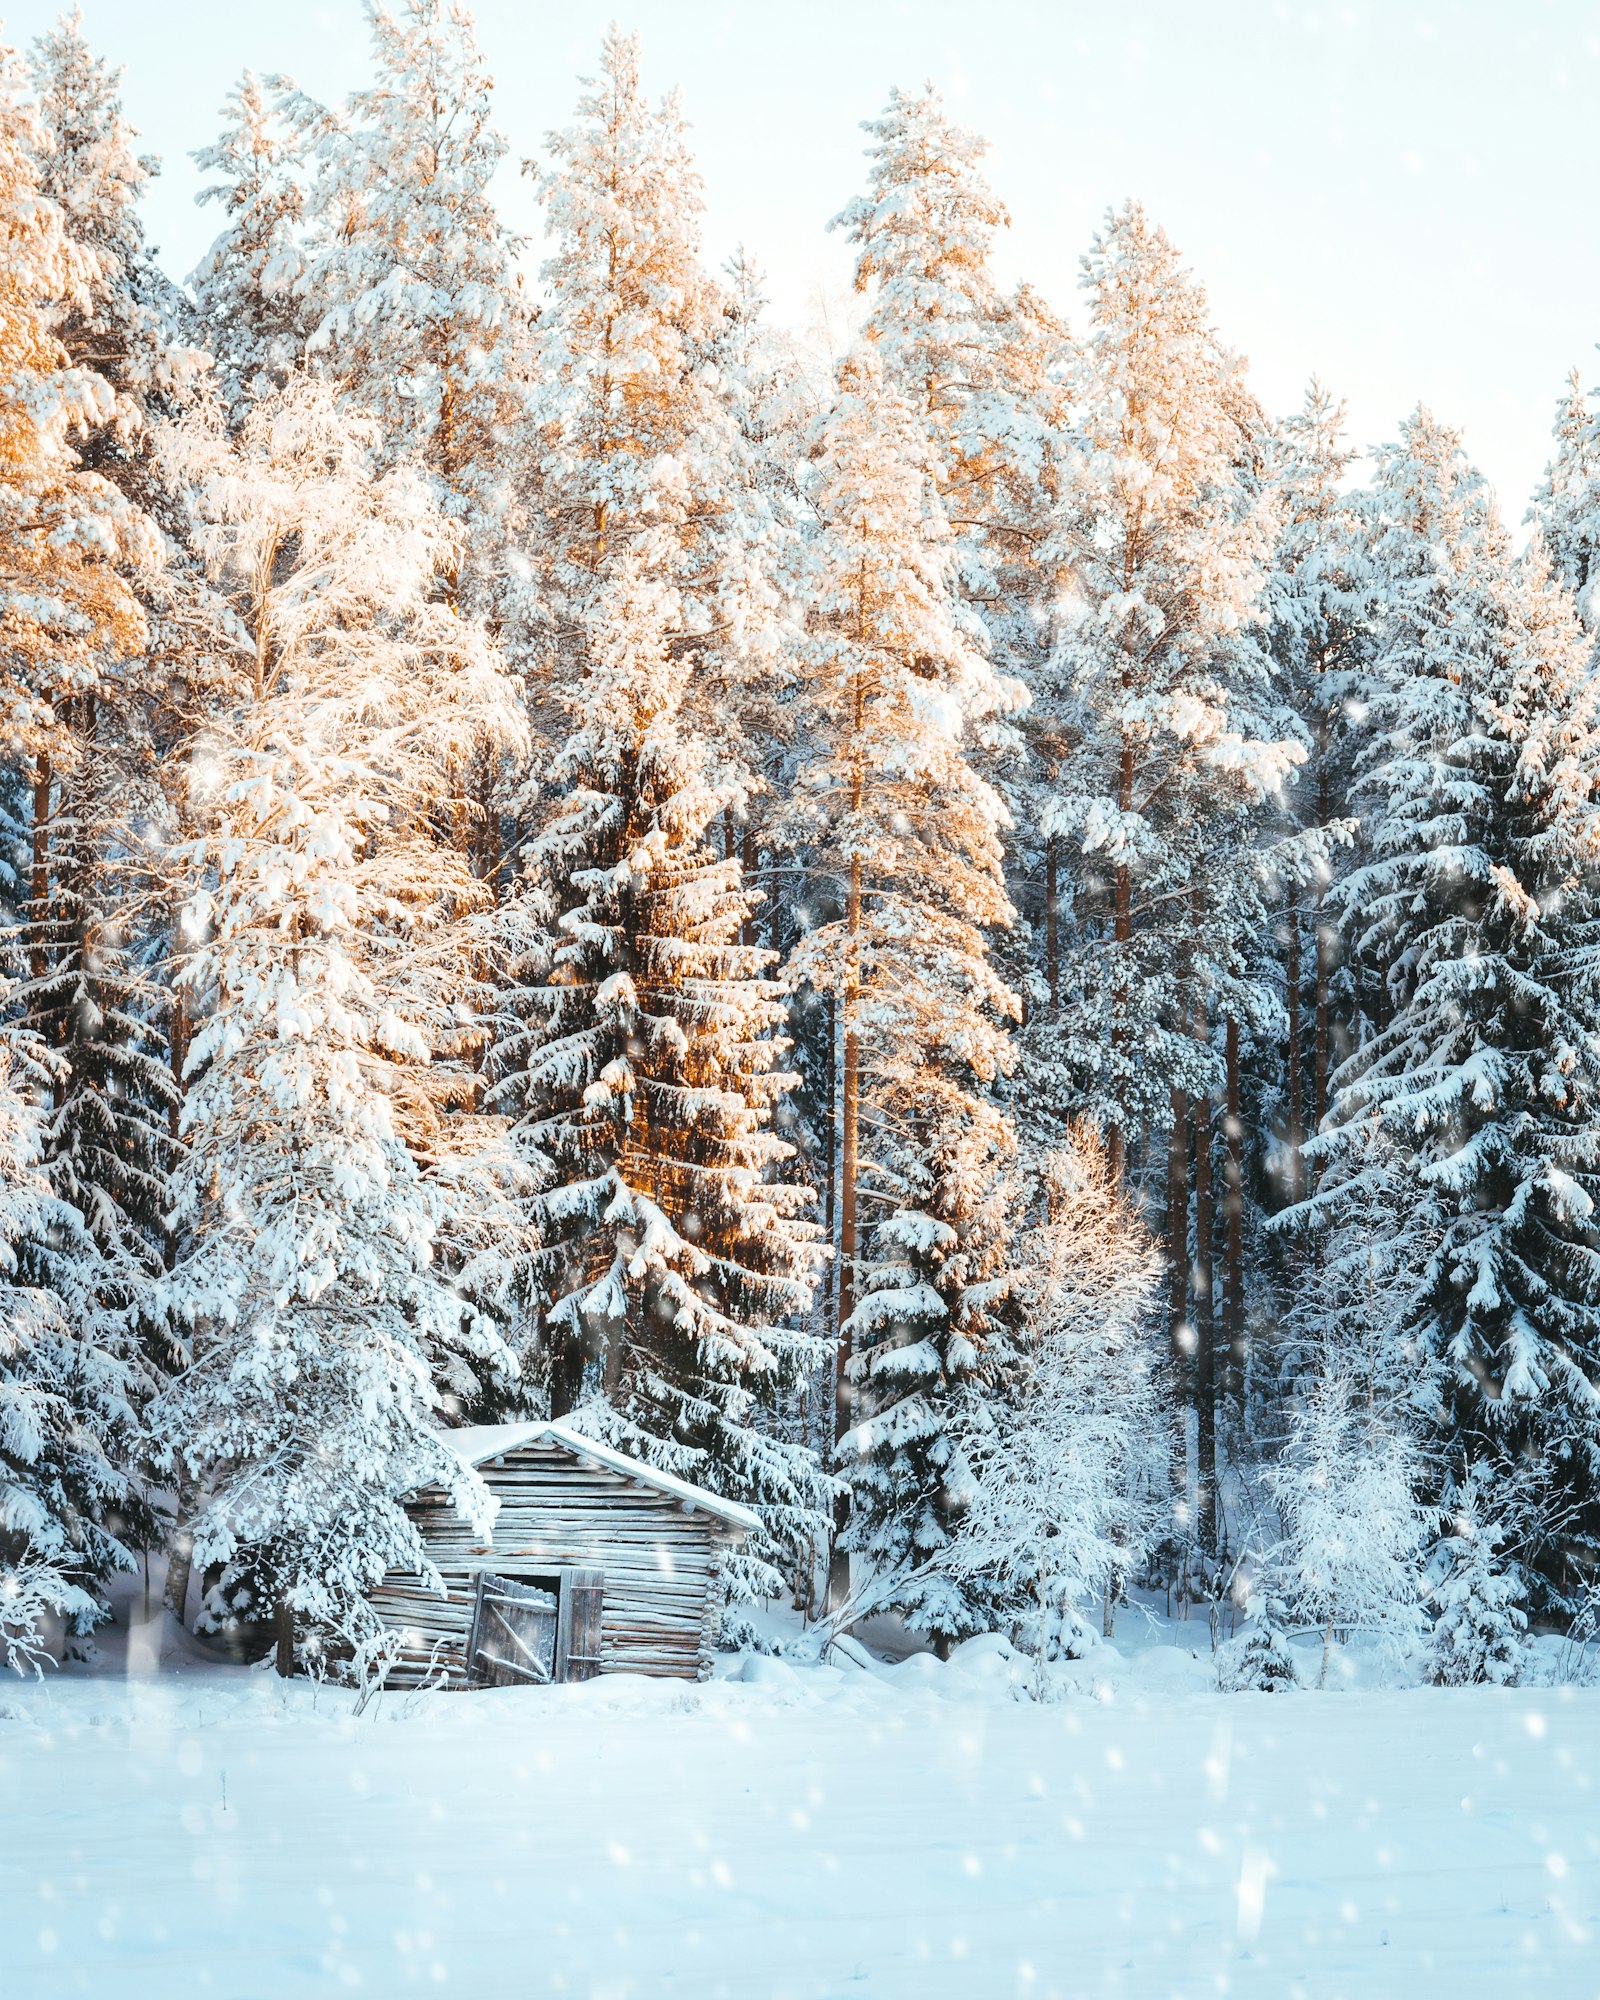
x=476, y=1444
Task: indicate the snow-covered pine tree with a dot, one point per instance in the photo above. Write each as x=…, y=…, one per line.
x=246, y=286
x=1067, y=1482
x=67, y=537
x=979, y=366
x=1479, y=1631
x=125, y=318
x=1480, y=771
x=330, y=978
x=969, y=359
x=903, y=838
x=1566, y=506
x=409, y=281
x=632, y=440
x=660, y=618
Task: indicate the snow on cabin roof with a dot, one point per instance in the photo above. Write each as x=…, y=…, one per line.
x=477, y=1444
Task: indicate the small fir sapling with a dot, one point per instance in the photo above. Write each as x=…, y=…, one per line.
x=1260, y=1660
x=1478, y=1635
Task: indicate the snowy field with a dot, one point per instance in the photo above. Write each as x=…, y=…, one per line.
x=913, y=1830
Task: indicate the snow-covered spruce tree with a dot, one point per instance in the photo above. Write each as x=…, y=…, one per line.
x=674, y=1265
x=1260, y=1660
x=1161, y=676
x=658, y=619
x=246, y=286
x=329, y=977
x=1354, y=1533
x=68, y=1400
x=1171, y=748
x=1067, y=1482
x=68, y=622
x=1480, y=771
x=903, y=837
x=1480, y=1626
x=1566, y=507
x=92, y=928
x=89, y=996
x=1318, y=634
x=409, y=278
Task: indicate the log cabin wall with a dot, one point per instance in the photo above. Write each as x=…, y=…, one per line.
x=661, y=1565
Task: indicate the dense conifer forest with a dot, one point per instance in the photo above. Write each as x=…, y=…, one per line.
x=979, y=944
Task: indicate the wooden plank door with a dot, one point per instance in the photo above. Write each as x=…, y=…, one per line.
x=513, y=1638
x=578, y=1633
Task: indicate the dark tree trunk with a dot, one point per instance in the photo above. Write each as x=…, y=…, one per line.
x=1233, y=1211
x=285, y=1647
x=566, y=1373
x=1122, y=928
x=1295, y=1057
x=850, y=1110
x=39, y=884
x=749, y=869
x=1179, y=1332
x=1325, y=943
x=1052, y=925
x=1205, y=1358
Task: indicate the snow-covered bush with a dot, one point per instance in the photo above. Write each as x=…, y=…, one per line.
x=1346, y=1484
x=1480, y=1631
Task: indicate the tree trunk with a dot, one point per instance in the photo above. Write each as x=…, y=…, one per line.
x=1205, y=1359
x=285, y=1628
x=566, y=1373
x=1295, y=1058
x=1122, y=930
x=177, y=1056
x=748, y=870
x=850, y=1108
x=1179, y=1332
x=1233, y=1212
x=1052, y=926
x=180, y=1554
x=39, y=886
x=1319, y=1101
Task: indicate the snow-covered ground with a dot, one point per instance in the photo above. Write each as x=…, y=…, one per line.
x=914, y=1830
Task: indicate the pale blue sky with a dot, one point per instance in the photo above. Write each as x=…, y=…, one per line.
x=1400, y=197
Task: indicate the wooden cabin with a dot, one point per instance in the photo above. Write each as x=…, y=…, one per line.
x=596, y=1564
